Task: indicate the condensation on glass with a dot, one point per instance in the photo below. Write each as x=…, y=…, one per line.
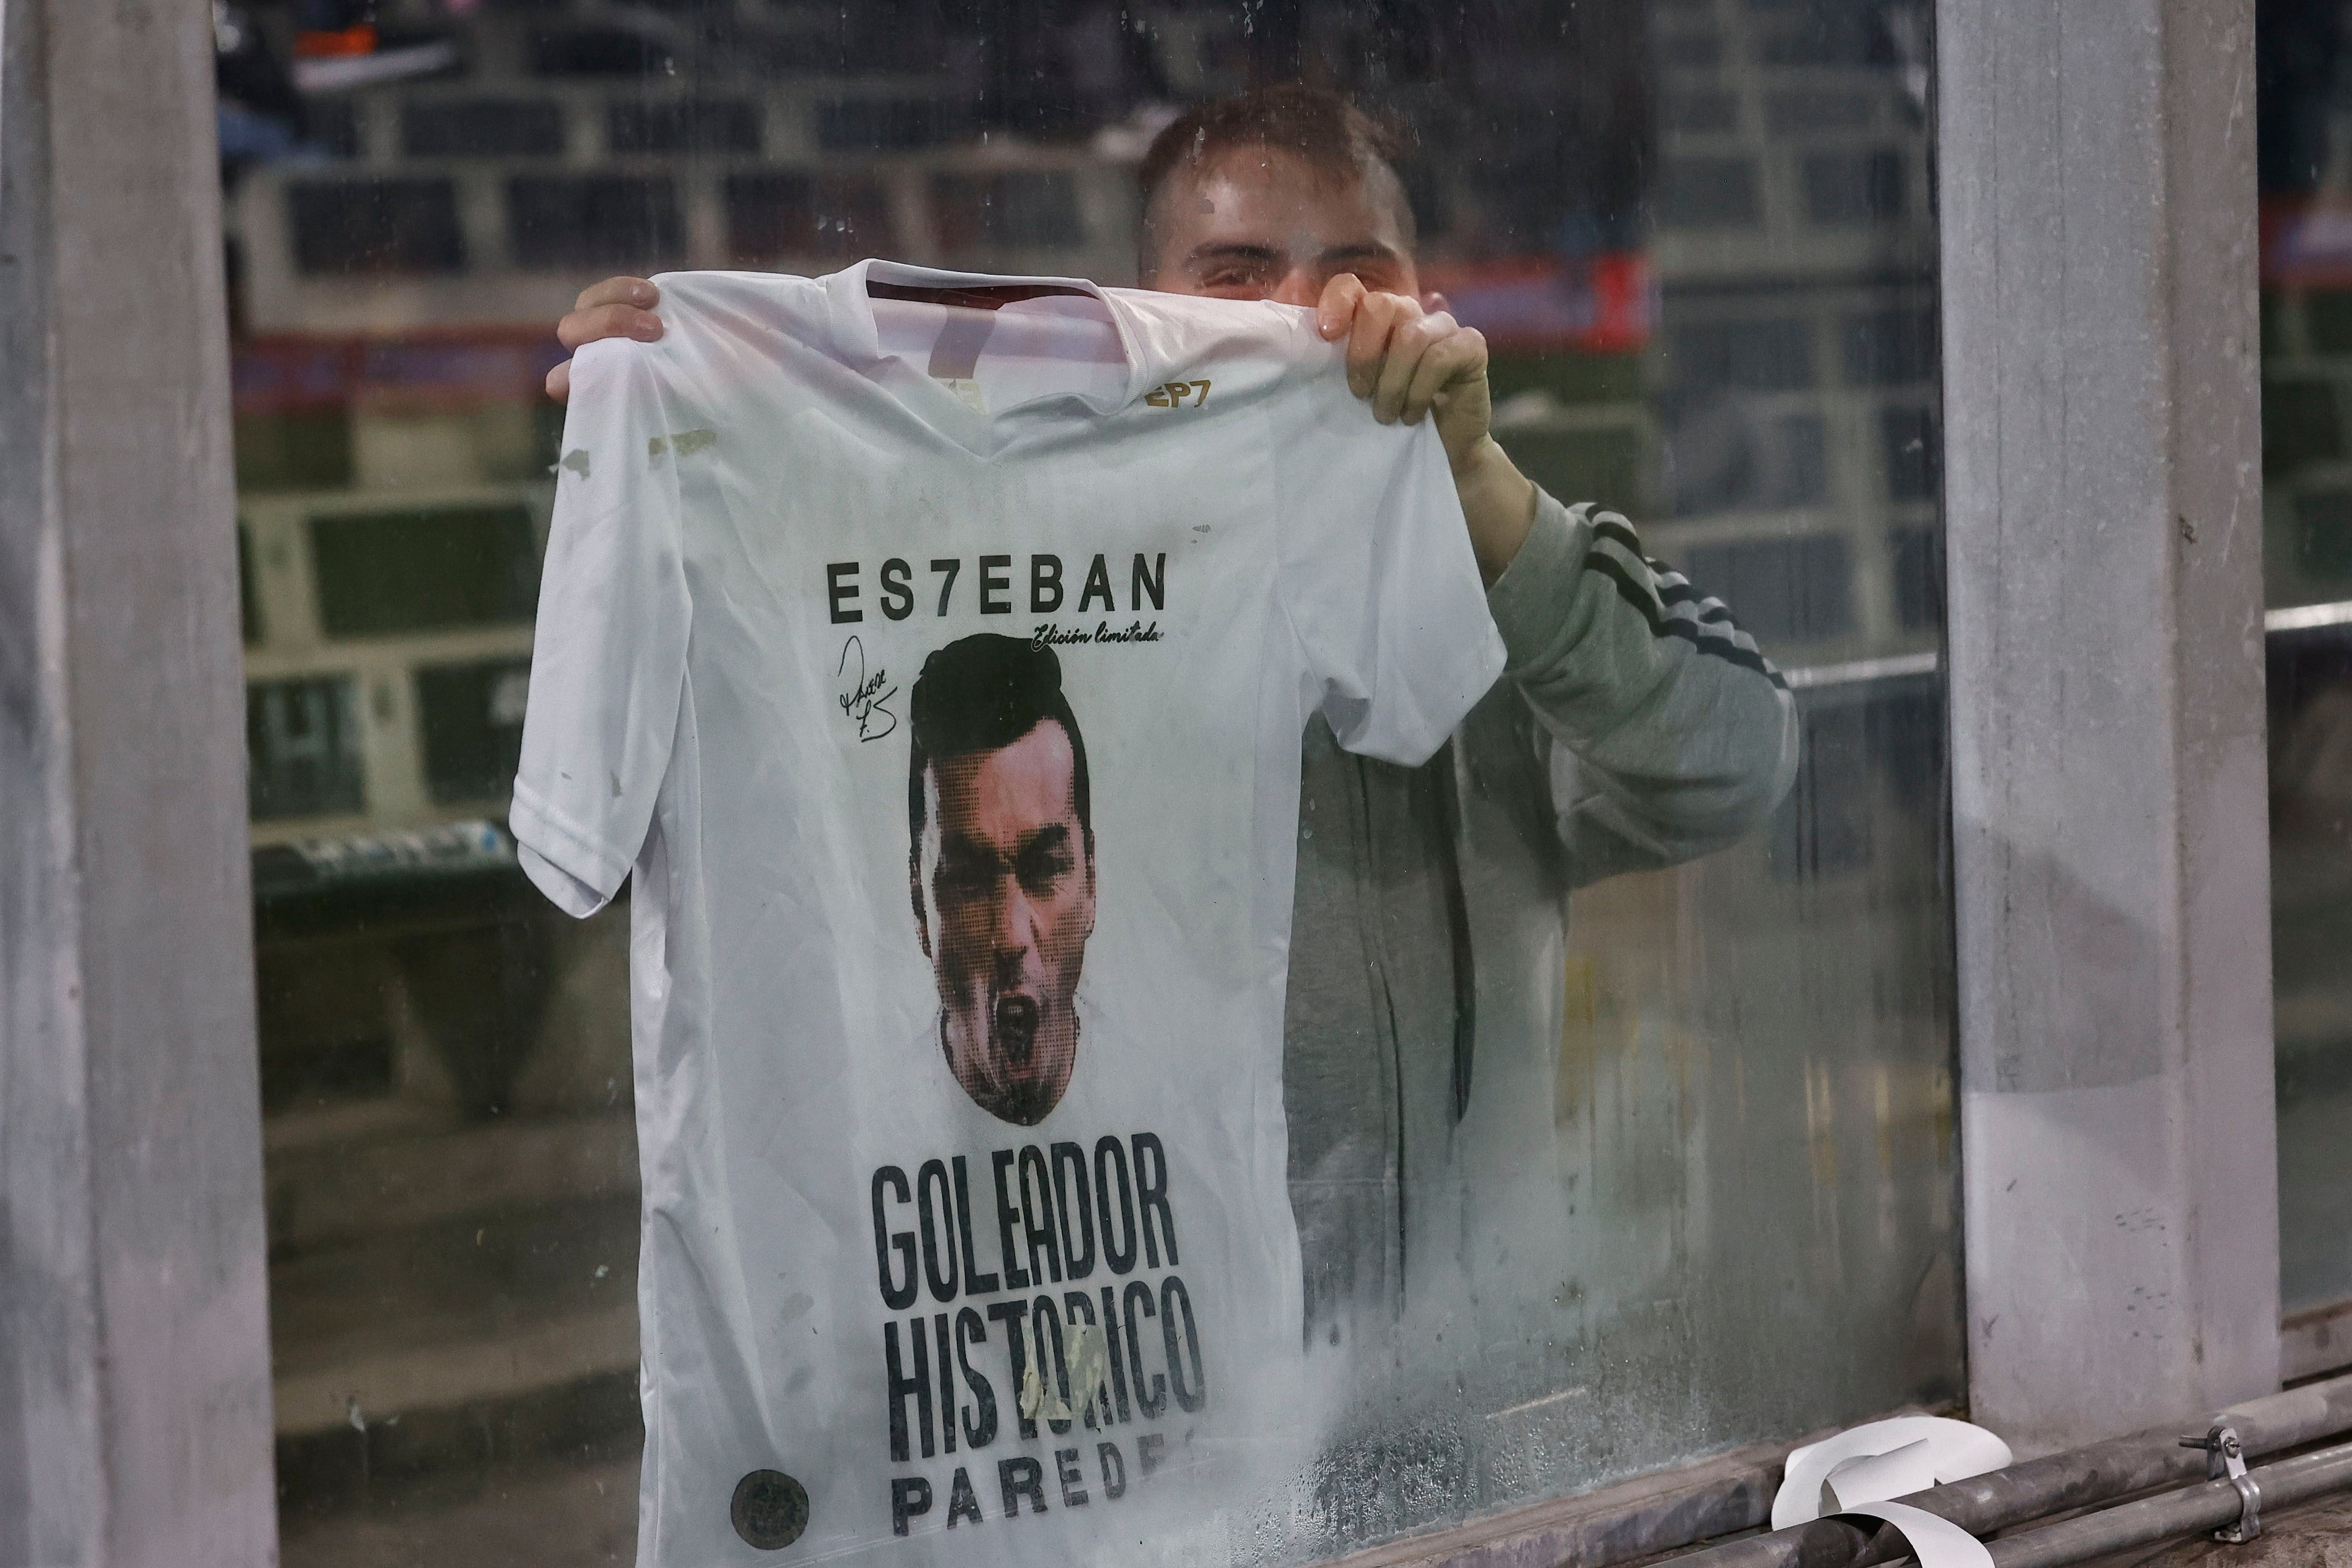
x=1700, y=1189
x=2302, y=93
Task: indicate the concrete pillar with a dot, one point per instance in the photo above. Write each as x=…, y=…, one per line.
x=2110, y=844
x=135, y=1379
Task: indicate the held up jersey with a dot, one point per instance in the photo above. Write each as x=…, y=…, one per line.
x=933, y=651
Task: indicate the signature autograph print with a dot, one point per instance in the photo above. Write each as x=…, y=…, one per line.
x=866, y=694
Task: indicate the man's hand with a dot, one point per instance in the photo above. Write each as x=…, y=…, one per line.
x=616, y=307
x=1412, y=363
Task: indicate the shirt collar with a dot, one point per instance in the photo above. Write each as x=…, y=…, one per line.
x=850, y=313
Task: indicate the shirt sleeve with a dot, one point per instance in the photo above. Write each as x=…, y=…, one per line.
x=608, y=658
x=1675, y=736
x=1376, y=575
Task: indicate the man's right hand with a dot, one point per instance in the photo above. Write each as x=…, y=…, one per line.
x=616, y=307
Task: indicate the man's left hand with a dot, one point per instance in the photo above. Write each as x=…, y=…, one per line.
x=1413, y=362
x=1410, y=362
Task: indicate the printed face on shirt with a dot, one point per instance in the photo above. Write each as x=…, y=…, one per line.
x=1005, y=900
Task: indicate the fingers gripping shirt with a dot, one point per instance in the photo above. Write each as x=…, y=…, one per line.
x=931, y=652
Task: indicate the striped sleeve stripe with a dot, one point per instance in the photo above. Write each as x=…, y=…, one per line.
x=1736, y=647
x=1666, y=598
x=1611, y=525
x=1672, y=589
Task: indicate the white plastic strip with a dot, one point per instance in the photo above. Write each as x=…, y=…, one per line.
x=1874, y=1477
x=1936, y=1542
x=1882, y=1460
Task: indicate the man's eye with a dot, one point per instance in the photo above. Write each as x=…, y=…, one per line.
x=1233, y=278
x=1040, y=872
x=965, y=881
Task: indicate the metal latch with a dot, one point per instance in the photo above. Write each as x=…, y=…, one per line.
x=2225, y=1457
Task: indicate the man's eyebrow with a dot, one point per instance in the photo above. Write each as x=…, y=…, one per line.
x=962, y=846
x=1225, y=252
x=1360, y=250
x=1052, y=836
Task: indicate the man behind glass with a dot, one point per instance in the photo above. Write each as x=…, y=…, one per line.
x=1635, y=725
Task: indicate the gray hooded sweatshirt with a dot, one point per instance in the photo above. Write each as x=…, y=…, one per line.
x=1635, y=726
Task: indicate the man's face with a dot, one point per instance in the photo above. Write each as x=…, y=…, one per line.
x=1258, y=223
x=1006, y=896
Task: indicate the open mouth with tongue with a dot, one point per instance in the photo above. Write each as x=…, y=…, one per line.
x=1012, y=1027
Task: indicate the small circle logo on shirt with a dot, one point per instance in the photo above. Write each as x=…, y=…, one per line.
x=770, y=1509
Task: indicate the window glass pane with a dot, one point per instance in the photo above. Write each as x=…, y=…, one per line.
x=2306, y=326
x=1618, y=1063
x=424, y=570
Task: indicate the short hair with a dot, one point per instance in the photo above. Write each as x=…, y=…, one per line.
x=982, y=693
x=1332, y=135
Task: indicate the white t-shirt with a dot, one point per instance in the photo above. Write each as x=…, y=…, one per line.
x=944, y=1062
